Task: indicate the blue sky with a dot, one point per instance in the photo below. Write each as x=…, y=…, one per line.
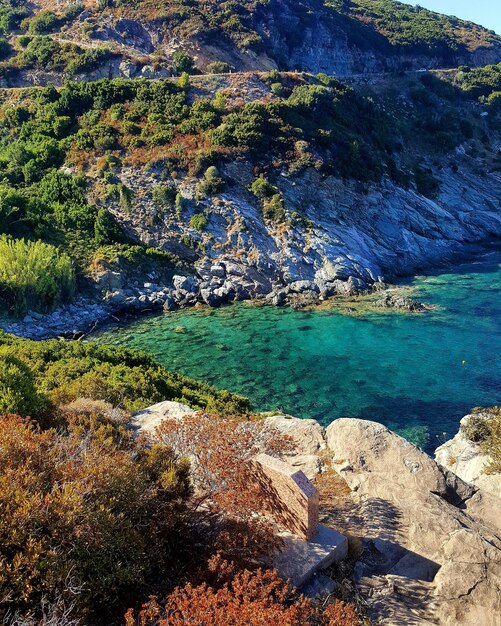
x=484, y=12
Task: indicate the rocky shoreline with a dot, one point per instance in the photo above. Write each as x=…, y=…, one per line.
x=218, y=285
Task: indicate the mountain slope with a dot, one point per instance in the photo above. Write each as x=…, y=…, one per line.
x=341, y=37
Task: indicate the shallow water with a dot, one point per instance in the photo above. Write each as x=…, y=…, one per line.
x=416, y=373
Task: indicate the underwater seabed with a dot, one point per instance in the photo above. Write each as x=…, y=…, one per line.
x=416, y=373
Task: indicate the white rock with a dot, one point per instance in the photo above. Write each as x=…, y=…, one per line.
x=147, y=420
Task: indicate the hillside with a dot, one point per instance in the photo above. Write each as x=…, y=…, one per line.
x=141, y=38
x=279, y=177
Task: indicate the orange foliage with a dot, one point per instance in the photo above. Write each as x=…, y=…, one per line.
x=261, y=598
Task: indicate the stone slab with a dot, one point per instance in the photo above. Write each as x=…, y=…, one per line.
x=299, y=560
x=288, y=497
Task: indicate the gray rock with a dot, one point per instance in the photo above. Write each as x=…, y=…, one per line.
x=146, y=421
x=218, y=270
x=210, y=297
x=416, y=531
x=466, y=459
x=109, y=280
x=169, y=304
x=300, y=286
x=187, y=284
x=394, y=300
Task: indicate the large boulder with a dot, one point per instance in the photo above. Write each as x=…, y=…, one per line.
x=425, y=560
x=309, y=442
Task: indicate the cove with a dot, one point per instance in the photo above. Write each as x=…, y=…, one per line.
x=416, y=373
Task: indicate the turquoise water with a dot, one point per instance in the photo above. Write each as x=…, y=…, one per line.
x=416, y=373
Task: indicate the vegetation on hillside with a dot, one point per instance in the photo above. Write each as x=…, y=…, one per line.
x=62, y=152
x=68, y=39
x=417, y=28
x=33, y=275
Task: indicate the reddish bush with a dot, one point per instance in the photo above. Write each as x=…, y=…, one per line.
x=84, y=521
x=250, y=599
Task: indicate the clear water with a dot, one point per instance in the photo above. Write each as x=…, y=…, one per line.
x=416, y=373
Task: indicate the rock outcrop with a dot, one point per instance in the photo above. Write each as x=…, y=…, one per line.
x=431, y=541
x=466, y=459
x=145, y=422
x=425, y=560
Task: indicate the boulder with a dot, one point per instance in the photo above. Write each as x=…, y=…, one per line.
x=394, y=300
x=425, y=559
x=210, y=297
x=466, y=459
x=109, y=280
x=188, y=284
x=145, y=422
x=308, y=435
x=218, y=270
x=169, y=304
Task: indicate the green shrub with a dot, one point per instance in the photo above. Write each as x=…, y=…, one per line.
x=218, y=67
x=426, y=184
x=274, y=208
x=183, y=62
x=33, y=275
x=212, y=182
x=262, y=188
x=198, y=222
x=164, y=196
x=18, y=393
x=43, y=23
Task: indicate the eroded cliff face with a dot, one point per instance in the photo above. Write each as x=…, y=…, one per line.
x=343, y=237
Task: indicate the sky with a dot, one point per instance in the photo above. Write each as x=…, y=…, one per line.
x=484, y=12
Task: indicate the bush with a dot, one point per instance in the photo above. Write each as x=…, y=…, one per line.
x=164, y=196
x=43, y=23
x=212, y=182
x=426, y=184
x=249, y=599
x=85, y=521
x=183, y=62
x=274, y=208
x=484, y=429
x=33, y=275
x=262, y=188
x=218, y=67
x=198, y=222
x=18, y=393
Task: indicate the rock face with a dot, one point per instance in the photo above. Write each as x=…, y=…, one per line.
x=466, y=459
x=426, y=559
x=309, y=440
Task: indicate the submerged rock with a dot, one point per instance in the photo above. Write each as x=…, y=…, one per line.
x=394, y=300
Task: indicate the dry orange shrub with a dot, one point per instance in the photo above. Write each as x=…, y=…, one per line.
x=258, y=598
